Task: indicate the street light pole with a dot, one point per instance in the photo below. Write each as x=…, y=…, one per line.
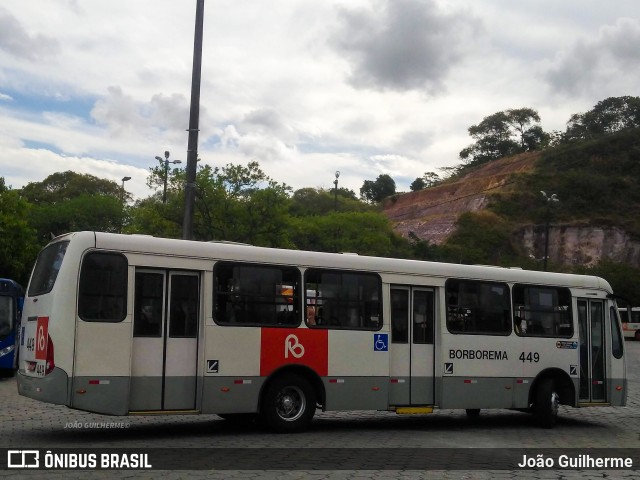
x=335, y=192
x=166, y=173
x=124, y=179
x=194, y=119
x=550, y=200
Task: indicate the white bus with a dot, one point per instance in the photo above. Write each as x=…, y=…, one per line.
x=121, y=325
x=631, y=328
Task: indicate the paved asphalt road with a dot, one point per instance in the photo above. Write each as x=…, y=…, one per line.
x=27, y=424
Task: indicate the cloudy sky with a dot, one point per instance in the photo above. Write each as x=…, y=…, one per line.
x=305, y=87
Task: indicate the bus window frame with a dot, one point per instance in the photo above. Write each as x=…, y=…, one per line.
x=296, y=303
x=462, y=311
x=125, y=289
x=51, y=268
x=560, y=291
x=338, y=301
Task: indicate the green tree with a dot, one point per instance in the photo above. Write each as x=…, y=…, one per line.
x=376, y=191
x=319, y=201
x=417, y=185
x=481, y=238
x=61, y=186
x=234, y=203
x=607, y=116
x=69, y=201
x=241, y=203
x=150, y=216
x=504, y=133
x=18, y=242
x=365, y=233
x=623, y=278
x=429, y=179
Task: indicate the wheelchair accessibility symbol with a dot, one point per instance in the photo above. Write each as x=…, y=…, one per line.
x=381, y=342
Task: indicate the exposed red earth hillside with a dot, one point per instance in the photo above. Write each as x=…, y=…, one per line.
x=431, y=214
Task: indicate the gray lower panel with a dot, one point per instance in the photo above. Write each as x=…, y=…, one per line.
x=478, y=392
x=228, y=395
x=146, y=394
x=412, y=391
x=618, y=397
x=179, y=393
x=53, y=388
x=231, y=395
x=400, y=391
x=356, y=393
x=108, y=395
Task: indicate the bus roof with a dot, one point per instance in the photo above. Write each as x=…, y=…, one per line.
x=10, y=287
x=247, y=253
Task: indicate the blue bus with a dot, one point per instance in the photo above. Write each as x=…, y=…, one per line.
x=11, y=301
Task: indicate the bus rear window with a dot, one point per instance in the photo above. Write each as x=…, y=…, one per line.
x=102, y=294
x=47, y=268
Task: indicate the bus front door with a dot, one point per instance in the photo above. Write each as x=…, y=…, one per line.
x=592, y=351
x=165, y=340
x=412, y=346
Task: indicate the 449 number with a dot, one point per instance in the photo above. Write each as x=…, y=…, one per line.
x=531, y=357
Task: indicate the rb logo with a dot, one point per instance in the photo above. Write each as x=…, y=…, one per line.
x=293, y=346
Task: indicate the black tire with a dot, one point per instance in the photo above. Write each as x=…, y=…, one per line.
x=637, y=336
x=547, y=402
x=288, y=404
x=473, y=412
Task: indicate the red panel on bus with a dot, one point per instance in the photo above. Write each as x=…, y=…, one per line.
x=285, y=346
x=42, y=338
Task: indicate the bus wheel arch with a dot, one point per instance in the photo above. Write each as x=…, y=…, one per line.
x=550, y=389
x=289, y=397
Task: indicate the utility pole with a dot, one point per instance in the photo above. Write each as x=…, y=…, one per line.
x=165, y=167
x=335, y=192
x=550, y=200
x=194, y=118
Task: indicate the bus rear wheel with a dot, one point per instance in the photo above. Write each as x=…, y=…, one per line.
x=288, y=404
x=547, y=403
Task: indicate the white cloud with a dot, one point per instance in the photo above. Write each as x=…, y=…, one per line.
x=368, y=87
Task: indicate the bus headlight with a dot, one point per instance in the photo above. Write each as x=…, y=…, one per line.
x=6, y=350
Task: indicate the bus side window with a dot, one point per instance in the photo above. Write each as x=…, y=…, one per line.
x=478, y=307
x=102, y=292
x=344, y=299
x=542, y=311
x=147, y=314
x=399, y=316
x=256, y=295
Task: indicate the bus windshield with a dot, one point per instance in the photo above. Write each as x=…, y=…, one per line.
x=6, y=316
x=47, y=268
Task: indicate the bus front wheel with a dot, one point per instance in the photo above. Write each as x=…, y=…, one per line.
x=289, y=404
x=547, y=403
